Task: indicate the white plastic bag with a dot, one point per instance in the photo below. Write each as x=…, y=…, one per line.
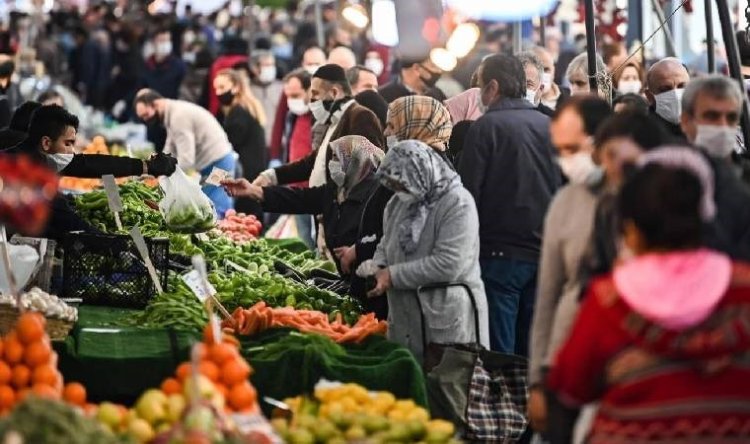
x=185, y=207
x=23, y=260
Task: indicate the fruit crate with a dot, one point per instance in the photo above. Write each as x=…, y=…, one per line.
x=104, y=269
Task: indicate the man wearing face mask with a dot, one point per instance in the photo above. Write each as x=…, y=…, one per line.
x=534, y=78
x=265, y=86
x=552, y=94
x=711, y=109
x=665, y=84
x=336, y=115
x=508, y=164
x=10, y=94
x=164, y=71
x=416, y=77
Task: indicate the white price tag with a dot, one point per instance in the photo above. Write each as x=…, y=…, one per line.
x=113, y=197
x=140, y=245
x=216, y=176
x=194, y=280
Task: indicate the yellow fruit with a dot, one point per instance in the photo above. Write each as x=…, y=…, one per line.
x=418, y=414
x=396, y=415
x=405, y=405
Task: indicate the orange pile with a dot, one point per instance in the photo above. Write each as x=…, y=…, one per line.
x=29, y=366
x=223, y=365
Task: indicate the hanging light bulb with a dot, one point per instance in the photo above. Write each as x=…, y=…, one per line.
x=463, y=39
x=443, y=59
x=356, y=15
x=384, y=27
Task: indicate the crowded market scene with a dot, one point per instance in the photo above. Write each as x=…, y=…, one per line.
x=374, y=221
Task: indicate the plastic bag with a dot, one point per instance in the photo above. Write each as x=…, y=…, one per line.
x=23, y=260
x=185, y=207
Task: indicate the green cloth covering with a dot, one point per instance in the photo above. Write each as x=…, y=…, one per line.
x=118, y=364
x=376, y=364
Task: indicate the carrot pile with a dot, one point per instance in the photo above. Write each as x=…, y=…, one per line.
x=259, y=317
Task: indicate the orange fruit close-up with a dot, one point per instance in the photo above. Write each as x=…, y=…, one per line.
x=37, y=353
x=209, y=370
x=242, y=396
x=234, y=371
x=13, y=352
x=30, y=327
x=44, y=374
x=5, y=373
x=45, y=391
x=7, y=396
x=183, y=371
x=21, y=376
x=75, y=393
x=221, y=353
x=171, y=386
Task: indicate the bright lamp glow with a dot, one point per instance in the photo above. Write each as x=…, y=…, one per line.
x=443, y=59
x=502, y=10
x=356, y=15
x=384, y=27
x=463, y=39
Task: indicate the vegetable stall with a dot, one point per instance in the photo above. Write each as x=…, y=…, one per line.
x=152, y=359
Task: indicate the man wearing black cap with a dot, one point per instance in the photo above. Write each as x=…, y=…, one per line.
x=336, y=115
x=417, y=77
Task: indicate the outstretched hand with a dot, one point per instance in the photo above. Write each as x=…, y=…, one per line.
x=242, y=188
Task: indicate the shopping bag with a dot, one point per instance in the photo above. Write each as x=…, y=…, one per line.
x=483, y=393
x=185, y=207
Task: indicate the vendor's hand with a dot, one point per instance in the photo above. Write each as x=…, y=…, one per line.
x=382, y=283
x=346, y=256
x=262, y=181
x=161, y=165
x=537, y=410
x=242, y=188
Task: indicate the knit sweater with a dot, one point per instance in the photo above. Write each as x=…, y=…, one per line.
x=194, y=136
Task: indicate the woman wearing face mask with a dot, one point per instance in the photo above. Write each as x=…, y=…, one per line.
x=577, y=74
x=662, y=341
x=242, y=117
x=629, y=79
x=431, y=235
x=341, y=201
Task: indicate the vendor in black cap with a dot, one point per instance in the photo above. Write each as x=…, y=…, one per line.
x=336, y=115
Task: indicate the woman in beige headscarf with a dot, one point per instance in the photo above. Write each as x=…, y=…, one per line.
x=419, y=118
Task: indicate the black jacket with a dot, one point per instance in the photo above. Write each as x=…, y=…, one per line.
x=673, y=130
x=508, y=165
x=340, y=221
x=731, y=228
x=247, y=136
x=395, y=90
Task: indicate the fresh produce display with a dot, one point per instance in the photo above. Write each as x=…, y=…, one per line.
x=49, y=305
x=29, y=366
x=185, y=207
x=47, y=421
x=349, y=413
x=135, y=196
x=260, y=317
x=239, y=227
x=180, y=309
x=26, y=191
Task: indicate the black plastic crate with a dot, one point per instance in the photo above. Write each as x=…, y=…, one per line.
x=107, y=269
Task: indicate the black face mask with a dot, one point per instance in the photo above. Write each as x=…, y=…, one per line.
x=226, y=99
x=6, y=69
x=153, y=121
x=431, y=80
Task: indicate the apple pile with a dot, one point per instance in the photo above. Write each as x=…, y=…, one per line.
x=239, y=227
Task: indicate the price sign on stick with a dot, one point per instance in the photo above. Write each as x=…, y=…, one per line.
x=140, y=244
x=200, y=267
x=113, y=197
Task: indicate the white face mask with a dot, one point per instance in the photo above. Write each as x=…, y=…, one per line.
x=406, y=197
x=164, y=49
x=319, y=111
x=59, y=161
x=480, y=104
x=375, y=65
x=669, y=105
x=531, y=96
x=547, y=80
x=578, y=167
x=267, y=74
x=391, y=141
x=629, y=87
x=717, y=140
x=311, y=69
x=297, y=106
x=337, y=173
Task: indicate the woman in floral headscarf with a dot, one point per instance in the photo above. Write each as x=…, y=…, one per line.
x=431, y=235
x=341, y=201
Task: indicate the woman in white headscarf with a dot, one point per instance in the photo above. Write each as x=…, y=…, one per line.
x=431, y=235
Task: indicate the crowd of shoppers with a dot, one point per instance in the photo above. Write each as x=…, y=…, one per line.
x=612, y=262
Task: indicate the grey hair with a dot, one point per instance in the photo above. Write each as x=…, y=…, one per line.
x=528, y=57
x=714, y=85
x=581, y=63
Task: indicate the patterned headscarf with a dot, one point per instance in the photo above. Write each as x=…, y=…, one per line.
x=420, y=118
x=422, y=173
x=359, y=158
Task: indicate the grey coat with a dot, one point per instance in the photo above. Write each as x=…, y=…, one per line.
x=448, y=252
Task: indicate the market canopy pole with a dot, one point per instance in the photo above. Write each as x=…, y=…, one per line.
x=319, y=25
x=710, y=44
x=735, y=70
x=667, y=32
x=591, y=43
x=543, y=31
